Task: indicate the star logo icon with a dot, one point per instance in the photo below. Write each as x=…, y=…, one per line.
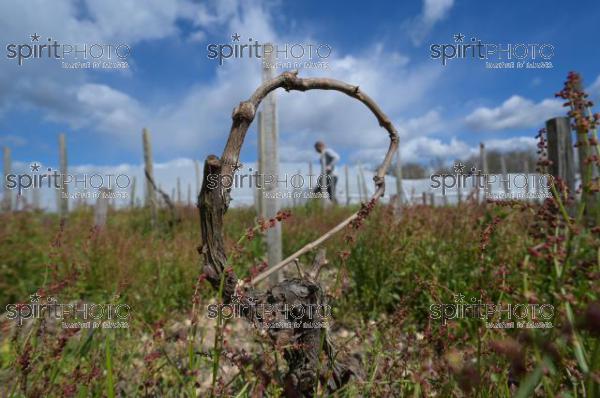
x=237, y=166
x=35, y=37
x=235, y=37
x=459, y=298
x=35, y=298
x=459, y=168
x=459, y=38
x=35, y=167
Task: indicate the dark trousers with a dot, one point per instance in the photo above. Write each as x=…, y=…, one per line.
x=329, y=184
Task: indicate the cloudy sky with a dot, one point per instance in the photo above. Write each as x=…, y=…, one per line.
x=185, y=99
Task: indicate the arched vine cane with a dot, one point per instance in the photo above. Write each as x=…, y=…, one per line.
x=214, y=202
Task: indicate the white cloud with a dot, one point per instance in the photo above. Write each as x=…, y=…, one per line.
x=197, y=37
x=516, y=112
x=428, y=123
x=419, y=149
x=199, y=120
x=433, y=12
x=594, y=88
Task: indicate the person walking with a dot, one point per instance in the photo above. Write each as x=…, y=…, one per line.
x=329, y=158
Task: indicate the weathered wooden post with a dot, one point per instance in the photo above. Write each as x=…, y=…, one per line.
x=347, y=184
x=310, y=177
x=505, y=177
x=132, y=194
x=189, y=195
x=35, y=198
x=461, y=179
x=260, y=166
x=484, y=169
x=101, y=208
x=459, y=190
x=560, y=154
x=560, y=151
x=399, y=190
x=7, y=198
x=150, y=198
x=64, y=191
x=294, y=189
x=527, y=181
x=363, y=181
x=269, y=145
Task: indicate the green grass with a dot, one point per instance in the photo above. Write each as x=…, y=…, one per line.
x=381, y=293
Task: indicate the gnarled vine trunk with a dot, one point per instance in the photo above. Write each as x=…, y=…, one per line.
x=307, y=343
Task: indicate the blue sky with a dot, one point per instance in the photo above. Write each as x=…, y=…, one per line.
x=185, y=99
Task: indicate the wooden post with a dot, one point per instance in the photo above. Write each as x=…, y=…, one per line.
x=132, y=194
x=310, y=176
x=528, y=180
x=35, y=198
x=269, y=146
x=178, y=191
x=363, y=182
x=485, y=171
x=560, y=154
x=424, y=198
x=505, y=181
x=399, y=190
x=295, y=190
x=150, y=198
x=189, y=195
x=101, y=208
x=459, y=190
x=260, y=166
x=347, y=185
x=64, y=191
x=7, y=198
x=560, y=151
